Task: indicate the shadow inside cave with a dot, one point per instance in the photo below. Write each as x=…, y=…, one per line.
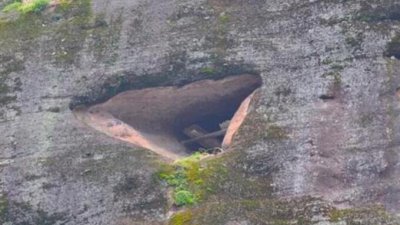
x=175, y=121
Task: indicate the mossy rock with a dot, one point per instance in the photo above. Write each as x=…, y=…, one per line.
x=181, y=218
x=64, y=28
x=299, y=211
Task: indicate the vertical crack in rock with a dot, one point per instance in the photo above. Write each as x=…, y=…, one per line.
x=175, y=121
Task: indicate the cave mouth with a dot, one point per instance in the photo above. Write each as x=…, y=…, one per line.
x=176, y=121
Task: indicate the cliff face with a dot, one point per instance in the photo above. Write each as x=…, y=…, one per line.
x=320, y=145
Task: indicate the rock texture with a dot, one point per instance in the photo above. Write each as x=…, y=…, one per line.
x=320, y=145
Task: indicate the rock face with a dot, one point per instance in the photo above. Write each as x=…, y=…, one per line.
x=321, y=144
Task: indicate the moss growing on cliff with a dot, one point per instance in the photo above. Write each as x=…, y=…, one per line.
x=215, y=180
x=301, y=211
x=12, y=6
x=25, y=28
x=212, y=178
x=65, y=29
x=186, y=176
x=70, y=35
x=181, y=218
x=260, y=211
x=27, y=7
x=208, y=70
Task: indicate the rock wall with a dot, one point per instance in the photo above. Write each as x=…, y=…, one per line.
x=321, y=144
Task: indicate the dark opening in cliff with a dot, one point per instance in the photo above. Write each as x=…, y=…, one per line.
x=175, y=121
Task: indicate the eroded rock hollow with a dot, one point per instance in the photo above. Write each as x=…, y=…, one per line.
x=175, y=121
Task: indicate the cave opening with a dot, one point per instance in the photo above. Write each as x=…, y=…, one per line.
x=176, y=121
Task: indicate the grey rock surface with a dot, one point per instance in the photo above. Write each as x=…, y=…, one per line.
x=326, y=123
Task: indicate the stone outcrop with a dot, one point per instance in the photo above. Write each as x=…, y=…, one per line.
x=320, y=144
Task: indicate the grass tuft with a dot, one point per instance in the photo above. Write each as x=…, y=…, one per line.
x=12, y=6
x=186, y=176
x=184, y=197
x=33, y=6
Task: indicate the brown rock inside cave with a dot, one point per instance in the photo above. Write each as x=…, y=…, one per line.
x=175, y=121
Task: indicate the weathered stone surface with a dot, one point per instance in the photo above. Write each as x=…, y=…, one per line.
x=325, y=125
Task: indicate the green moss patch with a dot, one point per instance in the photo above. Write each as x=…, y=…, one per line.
x=300, y=211
x=65, y=29
x=186, y=177
x=181, y=218
x=196, y=179
x=208, y=70
x=25, y=28
x=260, y=211
x=14, y=6
x=70, y=35
x=27, y=7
